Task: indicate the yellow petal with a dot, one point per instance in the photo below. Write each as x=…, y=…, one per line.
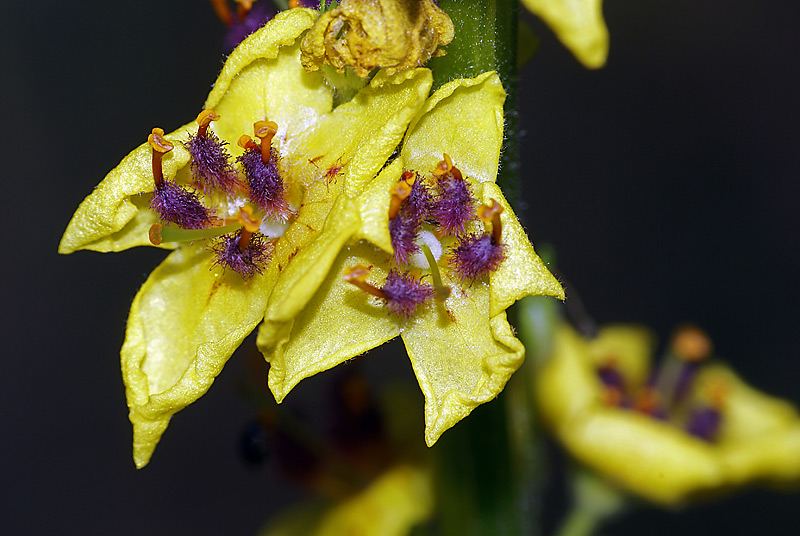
x=460, y=363
x=115, y=216
x=184, y=324
x=567, y=387
x=361, y=134
x=337, y=324
x=645, y=456
x=262, y=80
x=522, y=273
x=628, y=348
x=772, y=456
x=463, y=118
x=390, y=506
x=374, y=207
x=578, y=24
x=270, y=84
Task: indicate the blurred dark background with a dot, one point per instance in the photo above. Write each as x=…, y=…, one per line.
x=667, y=183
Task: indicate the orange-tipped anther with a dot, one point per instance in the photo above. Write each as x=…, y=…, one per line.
x=357, y=275
x=691, y=344
x=648, y=401
x=444, y=166
x=491, y=214
x=265, y=131
x=160, y=146
x=400, y=192
x=246, y=142
x=155, y=234
x=223, y=11
x=294, y=3
x=612, y=396
x=204, y=119
x=157, y=141
x=250, y=224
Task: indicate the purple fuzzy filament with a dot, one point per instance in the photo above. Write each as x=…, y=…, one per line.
x=248, y=262
x=476, y=256
x=404, y=293
x=180, y=206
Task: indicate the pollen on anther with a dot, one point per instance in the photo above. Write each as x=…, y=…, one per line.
x=176, y=204
x=265, y=184
x=454, y=205
x=248, y=261
x=404, y=293
x=210, y=161
x=477, y=255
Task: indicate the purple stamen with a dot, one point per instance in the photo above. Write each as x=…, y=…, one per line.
x=404, y=293
x=246, y=262
x=266, y=186
x=405, y=226
x=704, y=422
x=175, y=204
x=258, y=15
x=211, y=167
x=476, y=256
x=454, y=206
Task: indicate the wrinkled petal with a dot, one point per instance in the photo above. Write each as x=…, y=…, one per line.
x=522, y=273
x=462, y=356
x=271, y=84
x=463, y=118
x=361, y=134
x=578, y=24
x=184, y=324
x=116, y=216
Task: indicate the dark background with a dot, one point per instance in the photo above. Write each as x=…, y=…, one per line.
x=666, y=181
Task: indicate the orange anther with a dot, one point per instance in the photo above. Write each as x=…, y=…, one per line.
x=157, y=141
x=265, y=130
x=248, y=221
x=204, y=119
x=155, y=234
x=612, y=396
x=648, y=401
x=691, y=344
x=246, y=142
x=400, y=192
x=491, y=214
x=294, y=3
x=357, y=275
x=444, y=166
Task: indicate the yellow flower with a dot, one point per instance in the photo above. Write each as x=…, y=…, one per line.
x=391, y=506
x=191, y=314
x=462, y=348
x=578, y=24
x=691, y=431
x=366, y=34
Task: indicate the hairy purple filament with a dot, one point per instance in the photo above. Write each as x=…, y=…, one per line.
x=404, y=293
x=476, y=256
x=247, y=262
x=403, y=228
x=211, y=167
x=454, y=205
x=266, y=186
x=180, y=206
x=704, y=423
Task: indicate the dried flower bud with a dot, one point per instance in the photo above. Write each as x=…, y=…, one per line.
x=365, y=34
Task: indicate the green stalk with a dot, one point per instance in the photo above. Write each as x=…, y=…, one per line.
x=488, y=466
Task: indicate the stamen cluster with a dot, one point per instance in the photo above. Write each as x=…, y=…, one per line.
x=244, y=250
x=666, y=395
x=412, y=211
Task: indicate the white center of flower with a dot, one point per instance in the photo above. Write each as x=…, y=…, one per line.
x=273, y=228
x=425, y=238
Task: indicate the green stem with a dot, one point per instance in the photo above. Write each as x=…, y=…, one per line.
x=486, y=40
x=579, y=522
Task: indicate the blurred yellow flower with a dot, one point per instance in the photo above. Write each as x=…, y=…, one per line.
x=578, y=24
x=191, y=314
x=685, y=432
x=460, y=345
x=390, y=506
